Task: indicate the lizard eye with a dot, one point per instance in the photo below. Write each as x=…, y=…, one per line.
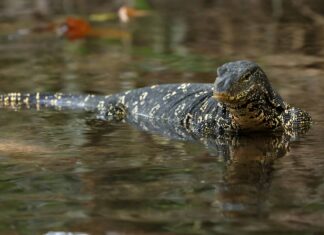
x=246, y=77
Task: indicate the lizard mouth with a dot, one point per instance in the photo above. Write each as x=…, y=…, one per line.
x=224, y=97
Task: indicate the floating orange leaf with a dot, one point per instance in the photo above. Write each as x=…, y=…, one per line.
x=76, y=28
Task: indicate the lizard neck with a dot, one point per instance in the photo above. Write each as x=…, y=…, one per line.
x=257, y=115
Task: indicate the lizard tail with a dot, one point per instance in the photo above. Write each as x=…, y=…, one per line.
x=53, y=101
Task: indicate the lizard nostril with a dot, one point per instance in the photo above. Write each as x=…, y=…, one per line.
x=221, y=70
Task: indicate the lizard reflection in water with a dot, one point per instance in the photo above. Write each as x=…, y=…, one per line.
x=248, y=172
x=233, y=177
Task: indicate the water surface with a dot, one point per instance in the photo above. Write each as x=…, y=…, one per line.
x=66, y=171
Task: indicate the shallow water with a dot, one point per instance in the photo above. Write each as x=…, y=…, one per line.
x=66, y=171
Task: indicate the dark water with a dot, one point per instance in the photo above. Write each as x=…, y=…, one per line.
x=67, y=172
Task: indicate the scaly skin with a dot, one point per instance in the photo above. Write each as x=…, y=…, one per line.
x=240, y=100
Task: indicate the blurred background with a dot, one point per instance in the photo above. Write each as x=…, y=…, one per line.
x=92, y=46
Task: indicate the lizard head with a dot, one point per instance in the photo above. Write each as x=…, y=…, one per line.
x=245, y=89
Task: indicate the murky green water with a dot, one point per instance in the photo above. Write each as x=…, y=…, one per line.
x=65, y=171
